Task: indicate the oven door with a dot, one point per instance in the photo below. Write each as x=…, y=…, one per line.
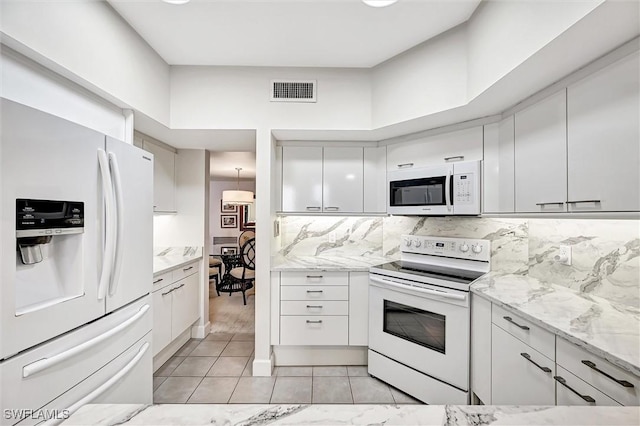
x=426, y=329
x=420, y=191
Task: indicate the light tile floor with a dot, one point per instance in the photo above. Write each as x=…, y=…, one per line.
x=217, y=370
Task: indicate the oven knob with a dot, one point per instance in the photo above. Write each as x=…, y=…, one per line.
x=407, y=242
x=476, y=248
x=464, y=248
x=417, y=243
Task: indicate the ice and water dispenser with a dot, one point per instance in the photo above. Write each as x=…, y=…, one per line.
x=48, y=252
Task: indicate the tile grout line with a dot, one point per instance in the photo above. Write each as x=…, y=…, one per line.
x=194, y=390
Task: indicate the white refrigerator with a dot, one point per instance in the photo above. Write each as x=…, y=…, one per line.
x=76, y=267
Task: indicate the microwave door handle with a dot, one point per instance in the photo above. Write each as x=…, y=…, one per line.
x=447, y=190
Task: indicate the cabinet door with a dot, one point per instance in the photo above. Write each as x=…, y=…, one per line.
x=184, y=310
x=603, y=139
x=573, y=391
x=358, y=308
x=541, y=156
x=516, y=380
x=481, y=348
x=461, y=145
x=164, y=177
x=343, y=189
x=301, y=179
x=375, y=179
x=161, y=319
x=498, y=167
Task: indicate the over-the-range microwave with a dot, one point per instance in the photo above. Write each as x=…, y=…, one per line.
x=447, y=189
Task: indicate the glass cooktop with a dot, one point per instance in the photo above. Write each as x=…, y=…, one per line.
x=415, y=271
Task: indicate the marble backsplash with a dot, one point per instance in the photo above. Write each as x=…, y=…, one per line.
x=606, y=253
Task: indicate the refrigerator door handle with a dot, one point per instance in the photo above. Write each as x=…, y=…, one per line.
x=119, y=217
x=105, y=386
x=43, y=364
x=107, y=194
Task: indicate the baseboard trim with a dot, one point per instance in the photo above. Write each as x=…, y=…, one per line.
x=168, y=351
x=263, y=367
x=200, y=331
x=320, y=355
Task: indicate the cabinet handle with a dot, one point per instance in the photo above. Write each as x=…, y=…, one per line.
x=167, y=292
x=545, y=204
x=313, y=208
x=314, y=306
x=563, y=382
x=315, y=276
x=523, y=327
x=332, y=208
x=180, y=286
x=173, y=289
x=314, y=291
x=459, y=157
x=592, y=365
x=187, y=269
x=528, y=358
x=583, y=201
x=158, y=280
x=314, y=322
x=401, y=166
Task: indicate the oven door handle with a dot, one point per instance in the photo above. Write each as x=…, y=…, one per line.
x=418, y=289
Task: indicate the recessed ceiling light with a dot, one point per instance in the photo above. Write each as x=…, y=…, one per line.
x=176, y=1
x=378, y=3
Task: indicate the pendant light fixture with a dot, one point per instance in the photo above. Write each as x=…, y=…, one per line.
x=237, y=197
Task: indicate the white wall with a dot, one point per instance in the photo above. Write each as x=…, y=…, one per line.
x=238, y=98
x=90, y=41
x=215, y=191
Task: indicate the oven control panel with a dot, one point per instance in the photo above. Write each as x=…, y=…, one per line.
x=460, y=248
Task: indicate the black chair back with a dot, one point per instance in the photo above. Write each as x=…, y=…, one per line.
x=248, y=254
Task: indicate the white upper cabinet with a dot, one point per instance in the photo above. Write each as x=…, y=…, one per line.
x=342, y=187
x=604, y=139
x=301, y=179
x=375, y=179
x=498, y=171
x=461, y=145
x=541, y=156
x=164, y=177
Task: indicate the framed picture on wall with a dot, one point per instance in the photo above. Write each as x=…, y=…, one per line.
x=228, y=221
x=228, y=208
x=229, y=250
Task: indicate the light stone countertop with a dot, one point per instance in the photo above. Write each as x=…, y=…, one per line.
x=254, y=415
x=326, y=263
x=167, y=258
x=606, y=329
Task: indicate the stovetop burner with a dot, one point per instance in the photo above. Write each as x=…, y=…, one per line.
x=462, y=276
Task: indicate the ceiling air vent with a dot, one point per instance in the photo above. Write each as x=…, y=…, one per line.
x=293, y=91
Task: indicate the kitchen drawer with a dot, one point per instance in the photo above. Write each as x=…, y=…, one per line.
x=533, y=335
x=185, y=271
x=573, y=358
x=567, y=383
x=314, y=278
x=162, y=280
x=314, y=330
x=314, y=292
x=298, y=307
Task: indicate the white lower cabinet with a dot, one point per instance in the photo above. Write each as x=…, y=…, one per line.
x=520, y=375
x=323, y=308
x=175, y=304
x=573, y=391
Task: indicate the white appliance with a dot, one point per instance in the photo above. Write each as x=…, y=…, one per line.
x=77, y=267
x=419, y=317
x=447, y=189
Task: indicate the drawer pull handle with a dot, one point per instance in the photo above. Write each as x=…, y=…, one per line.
x=403, y=165
x=583, y=201
x=187, y=269
x=523, y=327
x=563, y=382
x=592, y=365
x=314, y=306
x=167, y=292
x=457, y=157
x=314, y=291
x=314, y=322
x=332, y=208
x=528, y=358
x=545, y=204
x=314, y=208
x=173, y=289
x=315, y=276
x=158, y=280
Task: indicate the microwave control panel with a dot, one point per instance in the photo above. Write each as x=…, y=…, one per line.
x=463, y=189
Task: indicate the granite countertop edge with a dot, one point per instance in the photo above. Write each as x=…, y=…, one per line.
x=329, y=263
x=594, y=349
x=174, y=265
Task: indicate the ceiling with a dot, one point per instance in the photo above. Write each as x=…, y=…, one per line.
x=223, y=165
x=292, y=33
